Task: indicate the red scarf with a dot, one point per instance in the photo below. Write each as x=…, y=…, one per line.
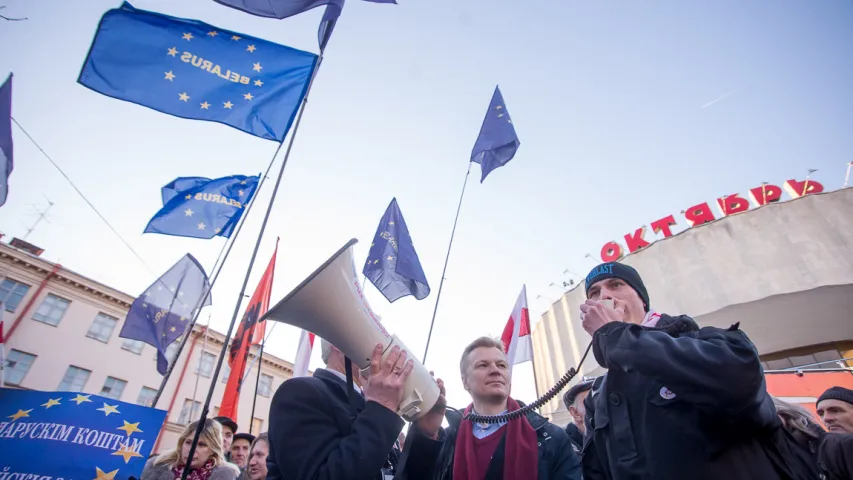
x=202, y=473
x=521, y=452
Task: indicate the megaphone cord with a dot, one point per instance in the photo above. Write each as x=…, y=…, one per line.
x=561, y=384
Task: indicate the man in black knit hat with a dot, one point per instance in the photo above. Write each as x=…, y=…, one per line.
x=677, y=402
x=835, y=408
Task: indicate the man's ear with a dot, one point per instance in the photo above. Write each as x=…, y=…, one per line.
x=573, y=411
x=465, y=383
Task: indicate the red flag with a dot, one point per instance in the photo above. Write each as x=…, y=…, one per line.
x=516, y=336
x=303, y=354
x=258, y=305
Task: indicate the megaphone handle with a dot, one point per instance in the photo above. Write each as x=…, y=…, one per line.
x=353, y=401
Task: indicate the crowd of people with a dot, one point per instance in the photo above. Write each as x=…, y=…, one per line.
x=677, y=402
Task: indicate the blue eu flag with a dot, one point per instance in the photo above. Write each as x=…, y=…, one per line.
x=6, y=162
x=193, y=70
x=199, y=207
x=392, y=265
x=161, y=314
x=74, y=435
x=497, y=142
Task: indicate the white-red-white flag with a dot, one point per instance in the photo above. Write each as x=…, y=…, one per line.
x=303, y=354
x=516, y=336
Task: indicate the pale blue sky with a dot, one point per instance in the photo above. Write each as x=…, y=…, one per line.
x=606, y=99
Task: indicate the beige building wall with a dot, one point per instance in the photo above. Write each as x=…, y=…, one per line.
x=784, y=271
x=69, y=343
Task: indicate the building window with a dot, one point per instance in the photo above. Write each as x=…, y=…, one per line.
x=17, y=366
x=265, y=385
x=205, y=368
x=102, y=327
x=11, y=293
x=257, y=424
x=188, y=416
x=113, y=388
x=51, y=310
x=146, y=397
x=134, y=346
x=74, y=379
x=226, y=371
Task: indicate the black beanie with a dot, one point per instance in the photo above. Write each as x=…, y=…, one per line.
x=621, y=271
x=837, y=393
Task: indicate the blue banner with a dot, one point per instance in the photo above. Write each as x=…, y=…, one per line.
x=74, y=436
x=193, y=70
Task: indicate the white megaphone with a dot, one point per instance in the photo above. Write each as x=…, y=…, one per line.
x=330, y=303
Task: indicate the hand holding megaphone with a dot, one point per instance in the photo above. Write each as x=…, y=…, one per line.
x=387, y=377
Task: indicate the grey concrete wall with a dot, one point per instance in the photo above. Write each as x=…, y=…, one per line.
x=785, y=271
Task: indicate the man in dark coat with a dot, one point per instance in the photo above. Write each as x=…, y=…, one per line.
x=526, y=448
x=322, y=430
x=678, y=402
x=573, y=400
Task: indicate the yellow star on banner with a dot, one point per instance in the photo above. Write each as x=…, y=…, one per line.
x=228, y=104
x=169, y=76
x=183, y=319
x=391, y=223
x=105, y=476
x=183, y=96
x=51, y=402
x=389, y=258
x=188, y=212
x=188, y=36
x=108, y=409
x=257, y=67
x=144, y=305
x=130, y=428
x=81, y=399
x=240, y=193
x=242, y=182
x=126, y=453
x=498, y=107
x=172, y=51
x=235, y=38
x=205, y=105
x=250, y=48
x=217, y=230
x=189, y=197
x=20, y=414
x=172, y=329
x=259, y=83
x=201, y=225
x=213, y=33
x=248, y=96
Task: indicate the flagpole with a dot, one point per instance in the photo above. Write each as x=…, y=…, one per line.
x=188, y=331
x=257, y=381
x=446, y=259
x=204, y=409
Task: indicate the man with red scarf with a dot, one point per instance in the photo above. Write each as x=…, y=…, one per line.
x=525, y=448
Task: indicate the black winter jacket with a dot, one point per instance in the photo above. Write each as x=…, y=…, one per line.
x=427, y=459
x=686, y=403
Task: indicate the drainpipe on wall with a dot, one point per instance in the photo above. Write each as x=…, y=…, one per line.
x=32, y=300
x=177, y=388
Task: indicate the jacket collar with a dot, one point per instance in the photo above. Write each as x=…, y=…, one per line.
x=454, y=418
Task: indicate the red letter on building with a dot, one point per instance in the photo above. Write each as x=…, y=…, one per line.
x=731, y=204
x=798, y=189
x=610, y=252
x=699, y=214
x=636, y=241
x=765, y=194
x=663, y=225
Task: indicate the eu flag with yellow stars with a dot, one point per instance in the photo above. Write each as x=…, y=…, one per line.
x=199, y=207
x=74, y=435
x=193, y=70
x=392, y=265
x=497, y=142
x=161, y=314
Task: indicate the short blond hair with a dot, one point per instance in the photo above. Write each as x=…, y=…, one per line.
x=487, y=342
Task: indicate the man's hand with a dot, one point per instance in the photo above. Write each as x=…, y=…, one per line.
x=594, y=315
x=385, y=385
x=430, y=424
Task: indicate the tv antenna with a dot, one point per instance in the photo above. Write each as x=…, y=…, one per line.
x=42, y=215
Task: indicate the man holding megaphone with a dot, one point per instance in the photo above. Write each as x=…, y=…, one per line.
x=323, y=429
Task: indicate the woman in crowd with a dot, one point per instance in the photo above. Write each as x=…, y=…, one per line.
x=208, y=462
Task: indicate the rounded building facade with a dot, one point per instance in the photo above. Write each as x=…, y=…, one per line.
x=784, y=271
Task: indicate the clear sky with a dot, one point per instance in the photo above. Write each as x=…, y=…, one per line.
x=607, y=99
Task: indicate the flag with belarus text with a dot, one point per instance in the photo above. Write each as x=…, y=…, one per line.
x=199, y=207
x=516, y=335
x=73, y=435
x=303, y=354
x=193, y=70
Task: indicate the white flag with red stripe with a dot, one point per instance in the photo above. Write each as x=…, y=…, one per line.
x=303, y=354
x=516, y=336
